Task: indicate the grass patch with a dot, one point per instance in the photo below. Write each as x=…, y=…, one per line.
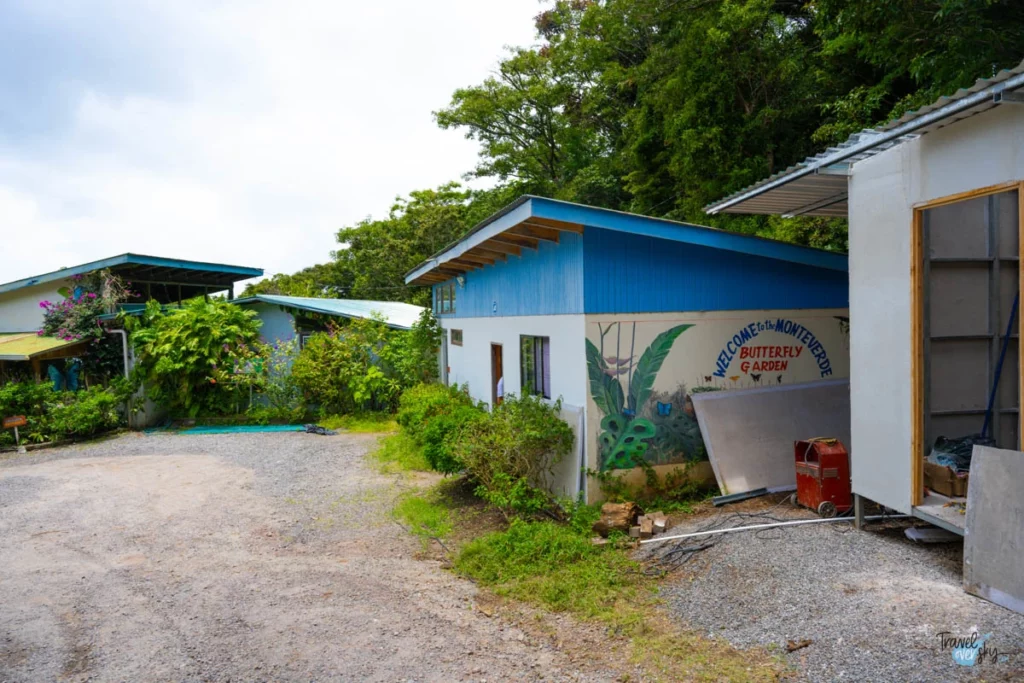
x=399, y=453
x=556, y=566
x=424, y=516
x=362, y=423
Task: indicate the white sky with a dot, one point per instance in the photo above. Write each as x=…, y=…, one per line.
x=237, y=131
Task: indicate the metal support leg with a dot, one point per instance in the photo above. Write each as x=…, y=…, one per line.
x=858, y=512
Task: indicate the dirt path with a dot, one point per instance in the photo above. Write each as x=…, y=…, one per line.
x=242, y=557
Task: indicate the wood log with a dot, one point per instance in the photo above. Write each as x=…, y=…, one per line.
x=617, y=517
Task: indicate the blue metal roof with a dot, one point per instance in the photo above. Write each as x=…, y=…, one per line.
x=198, y=272
x=397, y=315
x=528, y=207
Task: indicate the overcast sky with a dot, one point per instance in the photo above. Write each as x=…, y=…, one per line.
x=237, y=131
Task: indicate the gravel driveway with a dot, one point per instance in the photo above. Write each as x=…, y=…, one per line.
x=232, y=557
x=872, y=602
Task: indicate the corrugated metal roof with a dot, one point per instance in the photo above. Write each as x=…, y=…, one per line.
x=396, y=314
x=225, y=272
x=22, y=347
x=529, y=220
x=817, y=185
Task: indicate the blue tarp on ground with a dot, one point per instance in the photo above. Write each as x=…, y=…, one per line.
x=242, y=429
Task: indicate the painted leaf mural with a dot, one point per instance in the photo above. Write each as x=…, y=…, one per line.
x=605, y=389
x=650, y=363
x=625, y=437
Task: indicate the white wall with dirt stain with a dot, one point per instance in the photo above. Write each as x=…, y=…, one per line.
x=642, y=370
x=20, y=311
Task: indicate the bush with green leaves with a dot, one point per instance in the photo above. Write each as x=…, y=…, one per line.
x=365, y=366
x=441, y=434
x=279, y=397
x=511, y=452
x=425, y=401
x=57, y=415
x=197, y=359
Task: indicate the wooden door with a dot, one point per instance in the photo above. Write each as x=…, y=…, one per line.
x=497, y=373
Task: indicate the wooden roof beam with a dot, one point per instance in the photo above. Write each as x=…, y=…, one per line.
x=468, y=265
x=537, y=232
x=489, y=253
x=475, y=258
x=556, y=225
x=503, y=248
x=515, y=240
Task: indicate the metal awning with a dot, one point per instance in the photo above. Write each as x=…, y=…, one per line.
x=25, y=347
x=817, y=186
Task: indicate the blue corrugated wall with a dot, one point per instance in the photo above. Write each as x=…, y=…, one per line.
x=626, y=273
x=548, y=281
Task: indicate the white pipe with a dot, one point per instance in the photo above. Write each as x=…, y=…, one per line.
x=773, y=525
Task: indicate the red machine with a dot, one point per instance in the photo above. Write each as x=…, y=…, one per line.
x=823, y=476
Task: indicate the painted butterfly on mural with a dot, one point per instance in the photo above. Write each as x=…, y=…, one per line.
x=756, y=378
x=779, y=379
x=664, y=409
x=707, y=378
x=735, y=378
x=628, y=413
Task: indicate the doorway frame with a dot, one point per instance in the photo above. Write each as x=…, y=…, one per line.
x=917, y=340
x=494, y=378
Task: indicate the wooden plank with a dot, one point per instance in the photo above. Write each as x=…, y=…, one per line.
x=515, y=240
x=537, y=232
x=557, y=225
x=475, y=258
x=468, y=265
x=917, y=358
x=496, y=255
x=970, y=194
x=501, y=247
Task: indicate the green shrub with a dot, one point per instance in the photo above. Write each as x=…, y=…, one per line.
x=551, y=564
x=54, y=415
x=425, y=401
x=441, y=434
x=198, y=359
x=510, y=453
x=84, y=413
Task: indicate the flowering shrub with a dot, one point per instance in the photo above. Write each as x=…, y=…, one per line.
x=76, y=318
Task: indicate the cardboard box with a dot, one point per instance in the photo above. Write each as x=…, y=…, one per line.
x=945, y=480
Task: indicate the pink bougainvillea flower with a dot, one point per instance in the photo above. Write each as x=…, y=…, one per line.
x=40, y=333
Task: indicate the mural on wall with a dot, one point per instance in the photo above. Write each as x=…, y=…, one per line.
x=643, y=406
x=625, y=435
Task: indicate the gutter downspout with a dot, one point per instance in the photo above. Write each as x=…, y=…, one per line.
x=124, y=350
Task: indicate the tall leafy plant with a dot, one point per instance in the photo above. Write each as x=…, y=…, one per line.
x=624, y=436
x=195, y=359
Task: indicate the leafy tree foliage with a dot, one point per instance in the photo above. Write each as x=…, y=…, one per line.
x=663, y=106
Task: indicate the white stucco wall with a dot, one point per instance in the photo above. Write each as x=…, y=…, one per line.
x=19, y=310
x=984, y=150
x=471, y=362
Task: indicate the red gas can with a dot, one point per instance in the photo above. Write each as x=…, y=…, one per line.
x=823, y=476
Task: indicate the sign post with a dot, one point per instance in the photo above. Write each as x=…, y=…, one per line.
x=14, y=423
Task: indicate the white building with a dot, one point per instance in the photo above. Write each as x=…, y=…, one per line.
x=933, y=201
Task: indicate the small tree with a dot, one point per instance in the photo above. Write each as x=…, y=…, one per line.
x=195, y=358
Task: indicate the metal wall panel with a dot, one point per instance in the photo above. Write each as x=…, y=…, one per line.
x=637, y=274
x=545, y=281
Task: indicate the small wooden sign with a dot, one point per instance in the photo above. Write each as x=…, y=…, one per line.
x=14, y=422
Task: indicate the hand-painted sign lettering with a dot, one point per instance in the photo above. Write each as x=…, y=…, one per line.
x=771, y=358
x=16, y=421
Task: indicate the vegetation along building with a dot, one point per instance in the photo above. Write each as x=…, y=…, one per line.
x=934, y=206
x=287, y=317
x=623, y=317
x=162, y=279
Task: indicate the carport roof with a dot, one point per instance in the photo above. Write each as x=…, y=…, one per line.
x=396, y=314
x=138, y=268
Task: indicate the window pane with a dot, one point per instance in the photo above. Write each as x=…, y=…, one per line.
x=546, y=366
x=527, y=365
x=453, y=298
x=445, y=301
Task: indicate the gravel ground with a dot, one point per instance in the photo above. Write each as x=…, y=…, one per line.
x=233, y=557
x=872, y=602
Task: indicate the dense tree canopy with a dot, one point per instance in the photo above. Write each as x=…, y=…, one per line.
x=663, y=106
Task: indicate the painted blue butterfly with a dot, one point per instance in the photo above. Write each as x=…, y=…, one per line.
x=664, y=409
x=628, y=412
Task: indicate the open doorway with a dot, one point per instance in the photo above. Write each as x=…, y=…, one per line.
x=966, y=331
x=497, y=375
